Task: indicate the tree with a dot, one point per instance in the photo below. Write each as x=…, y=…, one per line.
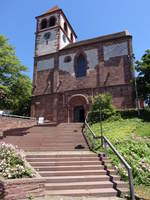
x=15, y=85
x=103, y=101
x=143, y=78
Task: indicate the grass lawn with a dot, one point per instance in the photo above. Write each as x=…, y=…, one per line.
x=142, y=191
x=131, y=137
x=143, y=129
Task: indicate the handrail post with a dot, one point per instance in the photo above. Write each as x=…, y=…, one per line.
x=101, y=127
x=105, y=148
x=131, y=184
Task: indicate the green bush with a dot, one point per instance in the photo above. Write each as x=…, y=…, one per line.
x=103, y=101
x=132, y=113
x=136, y=153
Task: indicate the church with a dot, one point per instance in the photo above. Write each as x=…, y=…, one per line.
x=68, y=72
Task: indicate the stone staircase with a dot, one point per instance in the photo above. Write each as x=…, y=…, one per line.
x=62, y=137
x=61, y=155
x=77, y=174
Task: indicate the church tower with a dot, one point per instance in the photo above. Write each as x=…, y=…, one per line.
x=53, y=32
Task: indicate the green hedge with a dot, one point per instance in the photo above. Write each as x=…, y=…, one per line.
x=133, y=113
x=94, y=116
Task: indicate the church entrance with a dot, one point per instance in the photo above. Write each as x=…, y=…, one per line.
x=77, y=108
x=79, y=114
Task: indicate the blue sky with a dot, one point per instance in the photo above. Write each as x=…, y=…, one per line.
x=89, y=18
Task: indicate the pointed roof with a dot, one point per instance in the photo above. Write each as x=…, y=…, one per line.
x=53, y=9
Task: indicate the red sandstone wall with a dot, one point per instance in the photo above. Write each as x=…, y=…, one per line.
x=114, y=71
x=7, y=123
x=110, y=74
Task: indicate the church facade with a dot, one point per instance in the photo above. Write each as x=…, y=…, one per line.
x=67, y=73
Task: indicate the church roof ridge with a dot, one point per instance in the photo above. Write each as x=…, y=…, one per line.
x=98, y=39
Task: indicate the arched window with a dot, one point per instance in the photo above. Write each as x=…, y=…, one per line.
x=65, y=27
x=71, y=37
x=44, y=23
x=52, y=21
x=80, y=66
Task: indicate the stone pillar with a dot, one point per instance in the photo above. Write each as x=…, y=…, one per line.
x=55, y=108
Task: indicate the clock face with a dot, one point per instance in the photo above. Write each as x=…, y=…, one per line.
x=47, y=35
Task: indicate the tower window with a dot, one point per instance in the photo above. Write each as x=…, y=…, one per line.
x=44, y=23
x=65, y=27
x=64, y=38
x=71, y=37
x=67, y=59
x=52, y=21
x=80, y=67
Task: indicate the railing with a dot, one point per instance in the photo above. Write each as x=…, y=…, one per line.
x=17, y=116
x=127, y=166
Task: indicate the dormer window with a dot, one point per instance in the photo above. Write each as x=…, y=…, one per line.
x=44, y=23
x=52, y=21
x=65, y=27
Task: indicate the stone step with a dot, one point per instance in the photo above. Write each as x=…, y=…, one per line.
x=121, y=184
x=68, y=168
x=52, y=142
x=45, y=136
x=107, y=192
x=61, y=148
x=59, y=163
x=64, y=144
x=64, y=160
x=51, y=149
x=58, y=138
x=78, y=185
x=87, y=178
x=75, y=173
x=71, y=145
x=124, y=190
x=69, y=156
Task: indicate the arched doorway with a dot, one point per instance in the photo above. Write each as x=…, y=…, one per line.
x=79, y=114
x=77, y=108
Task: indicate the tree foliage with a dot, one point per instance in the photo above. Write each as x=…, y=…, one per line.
x=103, y=101
x=143, y=78
x=15, y=86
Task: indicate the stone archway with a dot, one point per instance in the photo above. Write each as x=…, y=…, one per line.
x=78, y=106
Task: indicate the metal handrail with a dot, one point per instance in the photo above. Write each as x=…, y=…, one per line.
x=124, y=162
x=93, y=134
x=18, y=116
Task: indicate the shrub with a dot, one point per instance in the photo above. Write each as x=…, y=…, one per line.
x=103, y=101
x=132, y=113
x=136, y=153
x=12, y=162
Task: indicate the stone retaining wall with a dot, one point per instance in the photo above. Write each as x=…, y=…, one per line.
x=7, y=123
x=17, y=189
